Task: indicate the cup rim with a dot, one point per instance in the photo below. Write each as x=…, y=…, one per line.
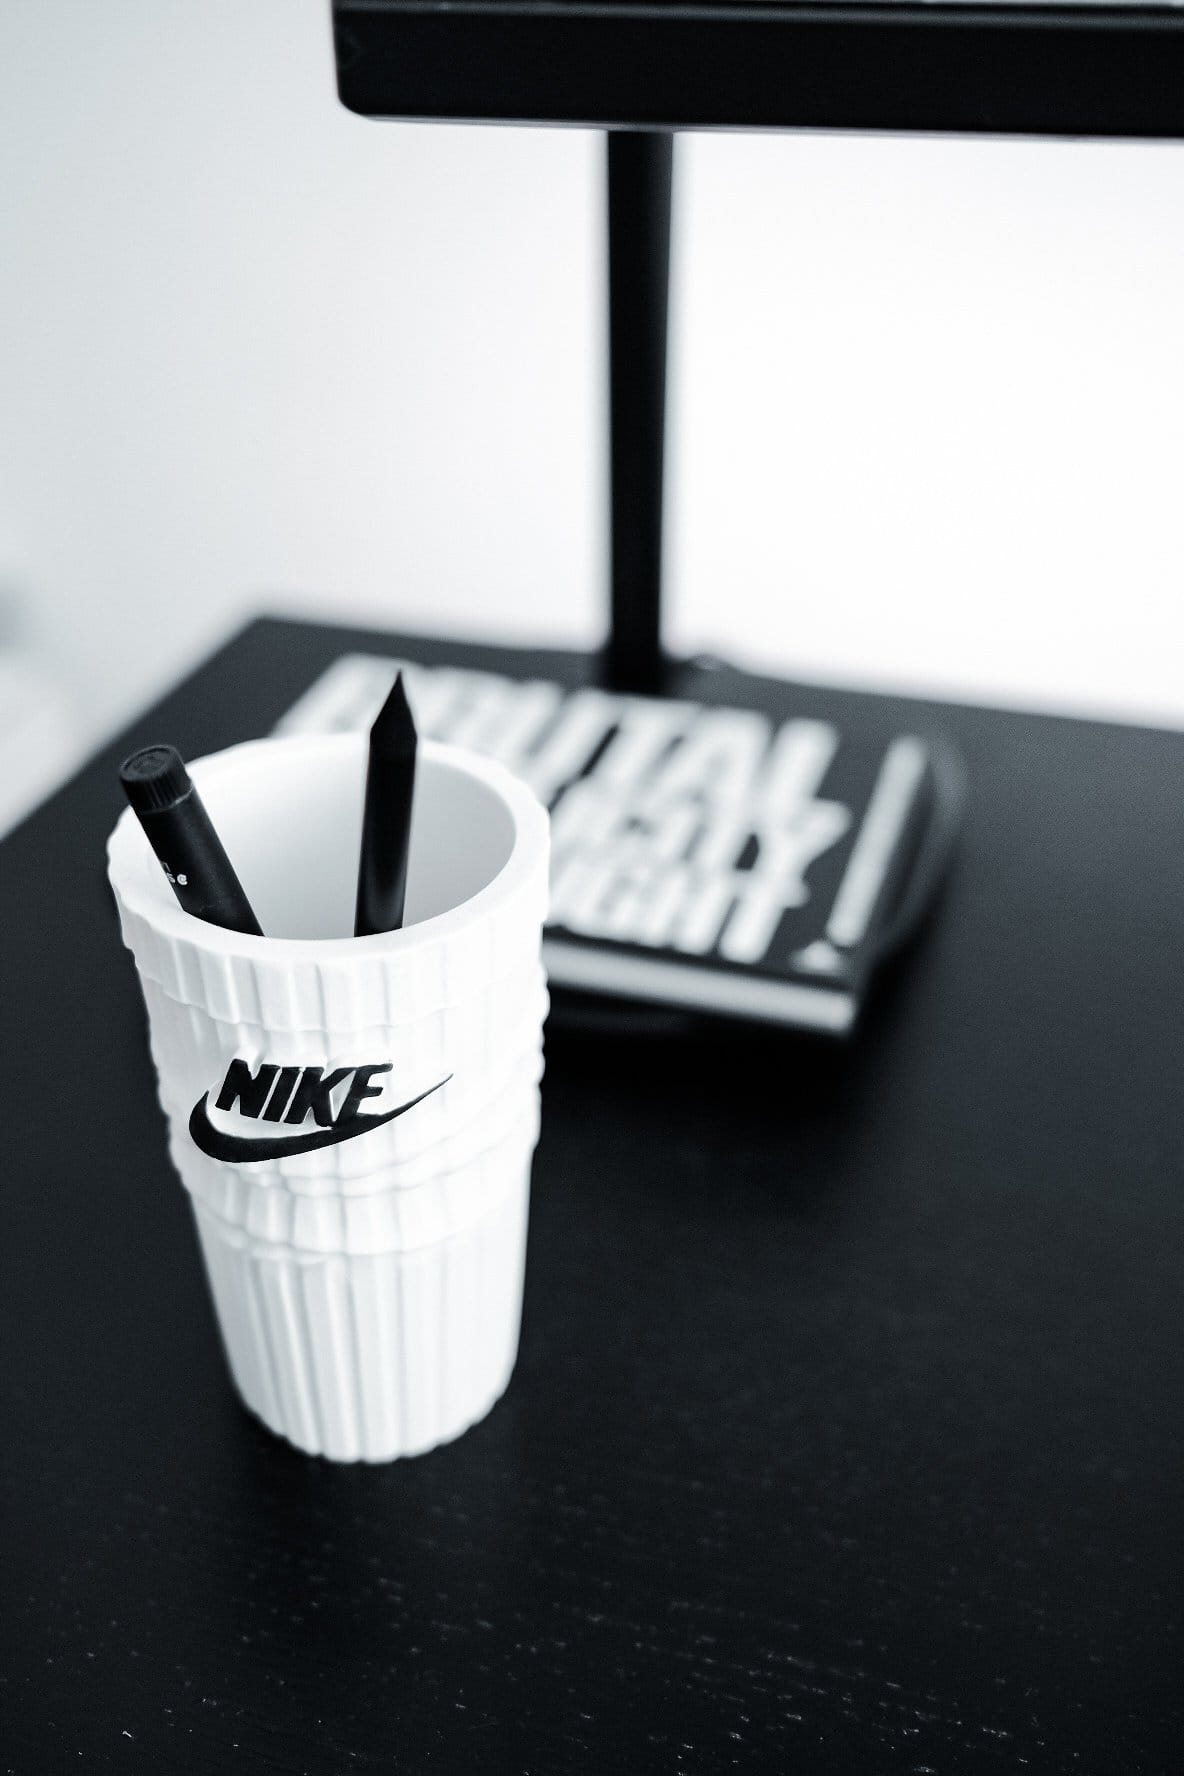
x=132, y=867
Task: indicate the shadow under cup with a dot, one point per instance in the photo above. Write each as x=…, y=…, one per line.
x=354, y=1118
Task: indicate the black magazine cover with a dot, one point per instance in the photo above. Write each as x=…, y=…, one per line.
x=711, y=858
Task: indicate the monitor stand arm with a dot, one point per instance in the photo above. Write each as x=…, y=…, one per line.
x=640, y=165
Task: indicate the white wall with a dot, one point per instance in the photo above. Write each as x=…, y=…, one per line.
x=254, y=348
x=931, y=413
x=927, y=419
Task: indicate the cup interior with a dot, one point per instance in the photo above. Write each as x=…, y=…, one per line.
x=289, y=814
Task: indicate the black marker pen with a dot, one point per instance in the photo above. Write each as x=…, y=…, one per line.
x=386, y=816
x=182, y=835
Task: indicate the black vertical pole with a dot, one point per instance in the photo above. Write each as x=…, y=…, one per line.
x=640, y=165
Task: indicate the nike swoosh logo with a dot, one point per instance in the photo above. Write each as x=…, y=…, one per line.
x=244, y=1150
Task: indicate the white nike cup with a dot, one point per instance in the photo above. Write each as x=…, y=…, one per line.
x=354, y=1118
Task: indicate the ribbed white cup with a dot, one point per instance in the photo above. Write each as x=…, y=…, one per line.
x=368, y=1286
x=369, y=1357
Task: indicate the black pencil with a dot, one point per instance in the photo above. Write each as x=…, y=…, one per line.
x=386, y=817
x=181, y=833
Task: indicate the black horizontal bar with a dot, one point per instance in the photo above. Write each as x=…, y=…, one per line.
x=1070, y=71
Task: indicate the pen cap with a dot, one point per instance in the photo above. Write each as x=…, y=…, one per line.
x=153, y=778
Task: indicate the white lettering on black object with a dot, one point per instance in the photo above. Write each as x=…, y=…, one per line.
x=896, y=786
x=718, y=759
x=672, y=826
x=693, y=829
x=585, y=722
x=649, y=847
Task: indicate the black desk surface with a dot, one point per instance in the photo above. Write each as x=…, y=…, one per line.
x=845, y=1434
